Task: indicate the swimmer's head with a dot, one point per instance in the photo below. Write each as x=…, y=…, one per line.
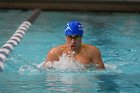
x=74, y=28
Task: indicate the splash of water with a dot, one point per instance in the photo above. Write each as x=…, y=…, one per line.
x=65, y=62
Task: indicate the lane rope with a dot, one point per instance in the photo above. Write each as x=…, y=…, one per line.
x=15, y=39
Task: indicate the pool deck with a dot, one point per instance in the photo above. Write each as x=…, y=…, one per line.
x=74, y=5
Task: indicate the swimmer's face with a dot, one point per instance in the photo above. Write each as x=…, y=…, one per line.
x=74, y=42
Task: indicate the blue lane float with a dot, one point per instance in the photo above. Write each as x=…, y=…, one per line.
x=15, y=39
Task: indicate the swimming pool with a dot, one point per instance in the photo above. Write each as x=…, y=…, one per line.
x=115, y=34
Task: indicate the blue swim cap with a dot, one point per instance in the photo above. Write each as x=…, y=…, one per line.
x=73, y=28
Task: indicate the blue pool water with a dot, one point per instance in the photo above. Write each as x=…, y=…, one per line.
x=117, y=35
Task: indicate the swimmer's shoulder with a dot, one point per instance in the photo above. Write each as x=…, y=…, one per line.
x=88, y=47
x=58, y=49
x=91, y=49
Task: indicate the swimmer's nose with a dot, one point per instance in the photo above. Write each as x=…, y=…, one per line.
x=73, y=41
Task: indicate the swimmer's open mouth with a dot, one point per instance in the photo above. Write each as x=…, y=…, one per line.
x=73, y=46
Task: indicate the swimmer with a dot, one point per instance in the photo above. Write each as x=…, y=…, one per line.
x=73, y=47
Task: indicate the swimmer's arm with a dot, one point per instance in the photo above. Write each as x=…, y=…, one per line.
x=51, y=57
x=97, y=59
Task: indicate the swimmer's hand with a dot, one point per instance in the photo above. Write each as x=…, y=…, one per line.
x=48, y=65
